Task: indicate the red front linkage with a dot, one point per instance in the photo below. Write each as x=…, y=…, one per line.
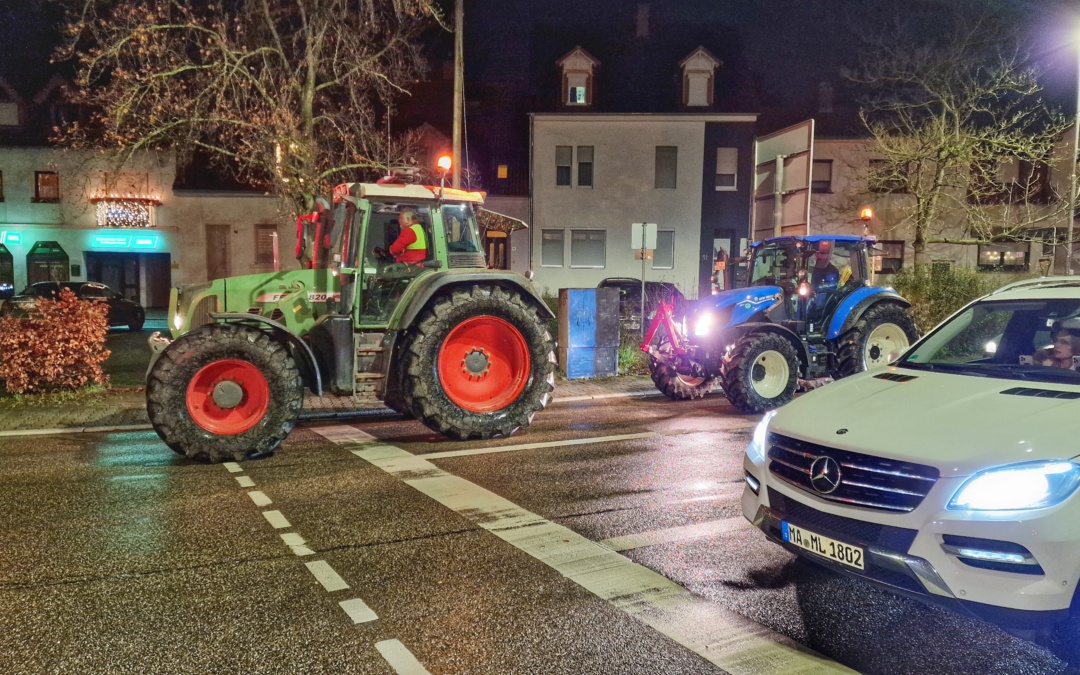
x=665, y=318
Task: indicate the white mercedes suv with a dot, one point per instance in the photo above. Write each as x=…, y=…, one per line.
x=949, y=475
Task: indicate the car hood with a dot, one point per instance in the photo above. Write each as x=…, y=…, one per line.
x=958, y=423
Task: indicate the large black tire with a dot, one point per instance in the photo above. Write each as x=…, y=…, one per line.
x=675, y=386
x=761, y=373
x=188, y=418
x=881, y=334
x=487, y=406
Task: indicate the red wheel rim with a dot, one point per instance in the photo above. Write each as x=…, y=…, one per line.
x=221, y=416
x=484, y=364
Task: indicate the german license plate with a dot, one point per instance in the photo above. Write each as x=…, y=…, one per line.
x=837, y=551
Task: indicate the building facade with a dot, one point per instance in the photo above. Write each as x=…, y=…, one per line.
x=596, y=174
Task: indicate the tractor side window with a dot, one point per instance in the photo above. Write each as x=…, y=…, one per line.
x=459, y=221
x=846, y=258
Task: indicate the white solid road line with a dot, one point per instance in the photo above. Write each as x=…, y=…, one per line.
x=358, y=610
x=276, y=520
x=326, y=575
x=673, y=534
x=724, y=638
x=545, y=444
x=400, y=658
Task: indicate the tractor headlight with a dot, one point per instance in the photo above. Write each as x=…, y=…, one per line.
x=703, y=324
x=756, y=450
x=1030, y=485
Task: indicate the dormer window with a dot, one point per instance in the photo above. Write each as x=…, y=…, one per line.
x=698, y=78
x=578, y=67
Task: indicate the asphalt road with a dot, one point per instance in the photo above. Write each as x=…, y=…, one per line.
x=606, y=538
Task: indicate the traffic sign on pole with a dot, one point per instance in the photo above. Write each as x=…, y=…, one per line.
x=642, y=236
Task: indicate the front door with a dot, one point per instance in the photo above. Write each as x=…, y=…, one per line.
x=119, y=271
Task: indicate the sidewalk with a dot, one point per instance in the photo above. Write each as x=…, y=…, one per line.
x=125, y=408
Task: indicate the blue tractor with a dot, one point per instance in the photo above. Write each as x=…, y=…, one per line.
x=810, y=312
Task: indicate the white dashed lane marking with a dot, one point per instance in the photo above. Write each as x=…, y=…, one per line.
x=296, y=543
x=245, y=481
x=232, y=467
x=326, y=575
x=276, y=520
x=724, y=638
x=358, y=610
x=400, y=658
x=259, y=498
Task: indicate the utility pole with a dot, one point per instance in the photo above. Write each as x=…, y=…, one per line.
x=459, y=83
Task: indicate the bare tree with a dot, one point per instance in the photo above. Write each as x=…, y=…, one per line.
x=962, y=135
x=288, y=93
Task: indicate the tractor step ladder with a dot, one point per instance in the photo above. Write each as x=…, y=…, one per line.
x=368, y=378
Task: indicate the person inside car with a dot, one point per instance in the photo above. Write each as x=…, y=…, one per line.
x=1060, y=353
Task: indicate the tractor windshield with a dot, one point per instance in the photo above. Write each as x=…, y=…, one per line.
x=774, y=263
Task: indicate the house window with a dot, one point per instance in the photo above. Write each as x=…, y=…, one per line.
x=584, y=165
x=1011, y=256
x=727, y=161
x=822, y=176
x=9, y=114
x=503, y=172
x=551, y=248
x=266, y=244
x=667, y=160
x=46, y=186
x=563, y=159
x=892, y=257
x=588, y=248
x=664, y=255
x=886, y=176
x=576, y=89
x=697, y=89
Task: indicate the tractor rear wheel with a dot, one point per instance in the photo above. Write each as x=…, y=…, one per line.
x=224, y=392
x=761, y=373
x=670, y=382
x=478, y=363
x=878, y=338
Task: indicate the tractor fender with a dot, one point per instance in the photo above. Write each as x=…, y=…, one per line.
x=429, y=285
x=736, y=333
x=854, y=305
x=279, y=330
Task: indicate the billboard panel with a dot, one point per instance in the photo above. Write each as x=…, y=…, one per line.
x=782, y=207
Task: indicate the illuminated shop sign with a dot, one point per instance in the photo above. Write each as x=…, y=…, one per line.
x=140, y=242
x=11, y=238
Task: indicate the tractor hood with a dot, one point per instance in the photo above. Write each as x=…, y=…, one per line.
x=738, y=305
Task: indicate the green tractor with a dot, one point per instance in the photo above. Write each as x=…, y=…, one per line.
x=462, y=348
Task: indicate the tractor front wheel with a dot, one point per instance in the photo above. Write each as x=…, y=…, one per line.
x=878, y=338
x=478, y=363
x=672, y=383
x=224, y=392
x=761, y=373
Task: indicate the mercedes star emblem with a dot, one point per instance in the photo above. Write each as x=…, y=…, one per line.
x=825, y=475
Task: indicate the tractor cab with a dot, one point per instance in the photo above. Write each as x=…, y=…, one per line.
x=814, y=273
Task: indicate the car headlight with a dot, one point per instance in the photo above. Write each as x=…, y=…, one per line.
x=1030, y=485
x=756, y=450
x=703, y=324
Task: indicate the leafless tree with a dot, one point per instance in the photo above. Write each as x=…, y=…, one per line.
x=965, y=143
x=288, y=93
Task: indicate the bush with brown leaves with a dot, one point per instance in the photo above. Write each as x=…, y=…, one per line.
x=58, y=345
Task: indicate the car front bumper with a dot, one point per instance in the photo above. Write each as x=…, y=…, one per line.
x=906, y=554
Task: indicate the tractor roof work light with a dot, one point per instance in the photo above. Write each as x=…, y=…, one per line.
x=444, y=163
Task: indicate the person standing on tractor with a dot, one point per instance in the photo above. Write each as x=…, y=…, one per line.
x=411, y=245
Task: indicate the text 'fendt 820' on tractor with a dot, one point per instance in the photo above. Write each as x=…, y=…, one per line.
x=463, y=348
x=809, y=312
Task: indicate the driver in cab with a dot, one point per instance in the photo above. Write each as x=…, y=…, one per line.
x=825, y=276
x=411, y=245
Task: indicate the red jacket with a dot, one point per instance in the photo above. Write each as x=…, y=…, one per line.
x=399, y=249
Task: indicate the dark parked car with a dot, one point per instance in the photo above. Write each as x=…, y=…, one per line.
x=122, y=312
x=630, y=298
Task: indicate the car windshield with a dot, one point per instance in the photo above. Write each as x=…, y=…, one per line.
x=1028, y=340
